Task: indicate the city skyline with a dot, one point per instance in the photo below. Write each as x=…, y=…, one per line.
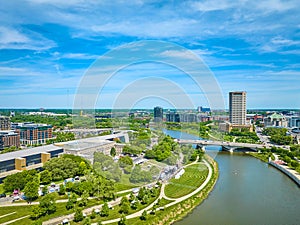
x=47, y=46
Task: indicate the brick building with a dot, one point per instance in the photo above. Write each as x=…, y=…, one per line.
x=31, y=133
x=8, y=139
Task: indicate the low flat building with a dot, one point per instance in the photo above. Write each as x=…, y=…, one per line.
x=88, y=146
x=31, y=158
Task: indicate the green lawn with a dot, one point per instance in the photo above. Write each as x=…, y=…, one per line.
x=262, y=156
x=1, y=189
x=114, y=213
x=164, y=201
x=26, y=210
x=123, y=186
x=193, y=177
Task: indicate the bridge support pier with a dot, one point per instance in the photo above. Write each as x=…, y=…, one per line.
x=228, y=149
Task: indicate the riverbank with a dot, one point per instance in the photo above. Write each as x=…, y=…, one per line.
x=293, y=174
x=288, y=171
x=260, y=156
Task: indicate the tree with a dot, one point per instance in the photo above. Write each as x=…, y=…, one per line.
x=87, y=221
x=131, y=197
x=124, y=208
x=36, y=212
x=45, y=190
x=124, y=205
x=134, y=205
x=71, y=201
x=142, y=193
x=125, y=161
x=18, y=180
x=144, y=215
x=62, y=168
x=48, y=203
x=139, y=175
x=127, y=169
x=113, y=152
x=145, y=199
x=45, y=177
x=84, y=199
x=38, y=222
x=69, y=186
x=171, y=160
x=82, y=167
x=93, y=214
x=78, y=215
x=294, y=164
x=31, y=190
x=104, y=210
x=131, y=149
x=163, y=150
x=122, y=221
x=62, y=189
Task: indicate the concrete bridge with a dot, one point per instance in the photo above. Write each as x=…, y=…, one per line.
x=226, y=146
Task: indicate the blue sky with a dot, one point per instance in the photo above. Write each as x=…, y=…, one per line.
x=47, y=46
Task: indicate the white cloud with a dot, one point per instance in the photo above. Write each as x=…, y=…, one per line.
x=11, y=38
x=206, y=6
x=78, y=56
x=179, y=54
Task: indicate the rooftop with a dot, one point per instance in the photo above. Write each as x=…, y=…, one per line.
x=27, y=152
x=276, y=116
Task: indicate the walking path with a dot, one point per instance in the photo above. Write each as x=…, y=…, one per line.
x=7, y=214
x=12, y=221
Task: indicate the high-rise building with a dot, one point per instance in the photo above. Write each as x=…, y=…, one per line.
x=4, y=123
x=158, y=114
x=172, y=117
x=237, y=107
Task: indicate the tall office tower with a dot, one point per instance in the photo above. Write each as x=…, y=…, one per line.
x=158, y=114
x=237, y=107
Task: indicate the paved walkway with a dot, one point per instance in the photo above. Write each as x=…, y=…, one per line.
x=8, y=214
x=12, y=221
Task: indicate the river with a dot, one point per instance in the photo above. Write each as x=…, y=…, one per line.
x=248, y=191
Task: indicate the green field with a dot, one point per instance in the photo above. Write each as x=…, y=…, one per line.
x=26, y=210
x=193, y=177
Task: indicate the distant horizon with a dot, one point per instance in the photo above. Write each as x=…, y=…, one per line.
x=47, y=109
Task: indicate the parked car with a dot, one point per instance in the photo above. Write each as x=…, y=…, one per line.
x=16, y=198
x=3, y=195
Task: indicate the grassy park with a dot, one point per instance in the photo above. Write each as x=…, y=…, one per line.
x=192, y=178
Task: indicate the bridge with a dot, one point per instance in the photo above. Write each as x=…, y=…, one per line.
x=227, y=146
